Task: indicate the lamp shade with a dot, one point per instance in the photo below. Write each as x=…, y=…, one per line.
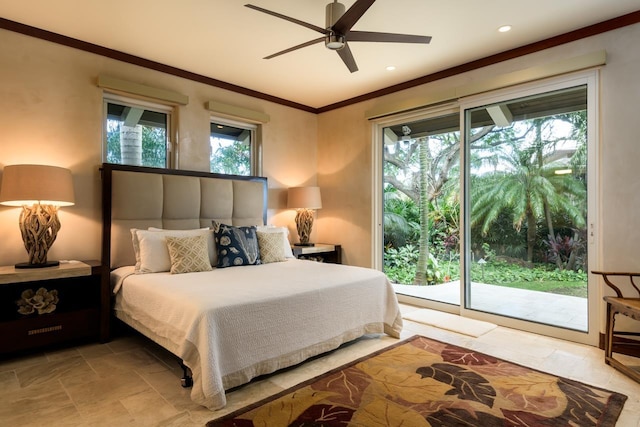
x=304, y=198
x=31, y=184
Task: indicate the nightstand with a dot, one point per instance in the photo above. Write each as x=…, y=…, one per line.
x=321, y=252
x=46, y=306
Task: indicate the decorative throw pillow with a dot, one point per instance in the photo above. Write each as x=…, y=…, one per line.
x=271, y=247
x=153, y=251
x=284, y=232
x=211, y=246
x=188, y=254
x=236, y=245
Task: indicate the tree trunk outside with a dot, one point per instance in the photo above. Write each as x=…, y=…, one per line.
x=531, y=235
x=552, y=233
x=131, y=145
x=423, y=257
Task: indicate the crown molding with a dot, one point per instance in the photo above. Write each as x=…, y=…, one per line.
x=591, y=30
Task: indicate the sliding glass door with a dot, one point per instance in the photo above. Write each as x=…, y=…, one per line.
x=492, y=217
x=421, y=206
x=527, y=209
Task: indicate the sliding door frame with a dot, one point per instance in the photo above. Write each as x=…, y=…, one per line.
x=589, y=78
x=377, y=207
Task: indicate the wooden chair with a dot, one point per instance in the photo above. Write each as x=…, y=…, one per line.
x=628, y=307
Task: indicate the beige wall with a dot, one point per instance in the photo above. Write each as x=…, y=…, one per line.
x=51, y=113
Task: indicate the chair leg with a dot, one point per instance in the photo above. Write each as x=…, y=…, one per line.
x=609, y=345
x=608, y=336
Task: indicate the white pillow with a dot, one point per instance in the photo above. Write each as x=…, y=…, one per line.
x=288, y=253
x=154, y=254
x=136, y=247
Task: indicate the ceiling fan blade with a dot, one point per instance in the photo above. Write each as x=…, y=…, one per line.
x=288, y=18
x=351, y=16
x=370, y=36
x=291, y=49
x=347, y=57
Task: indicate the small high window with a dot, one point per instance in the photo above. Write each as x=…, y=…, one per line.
x=136, y=133
x=233, y=148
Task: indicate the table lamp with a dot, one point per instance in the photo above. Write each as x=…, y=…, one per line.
x=304, y=200
x=40, y=190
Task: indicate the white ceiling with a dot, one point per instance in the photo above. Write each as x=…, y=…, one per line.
x=224, y=40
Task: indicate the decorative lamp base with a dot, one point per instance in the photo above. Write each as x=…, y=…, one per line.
x=39, y=226
x=43, y=265
x=304, y=224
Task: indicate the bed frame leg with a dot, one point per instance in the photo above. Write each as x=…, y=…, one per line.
x=187, y=380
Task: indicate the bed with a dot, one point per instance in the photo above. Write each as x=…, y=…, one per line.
x=230, y=323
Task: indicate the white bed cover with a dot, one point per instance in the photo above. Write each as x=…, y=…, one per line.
x=232, y=324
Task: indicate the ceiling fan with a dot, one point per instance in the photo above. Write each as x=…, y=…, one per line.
x=337, y=32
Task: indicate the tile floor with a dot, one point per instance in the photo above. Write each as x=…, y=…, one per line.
x=130, y=381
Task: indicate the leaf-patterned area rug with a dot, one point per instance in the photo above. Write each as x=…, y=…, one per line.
x=424, y=382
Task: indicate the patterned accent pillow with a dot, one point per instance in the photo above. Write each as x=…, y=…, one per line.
x=236, y=245
x=271, y=247
x=188, y=254
x=284, y=232
x=152, y=254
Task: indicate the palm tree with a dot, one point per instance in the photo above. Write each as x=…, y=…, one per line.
x=400, y=218
x=423, y=257
x=528, y=187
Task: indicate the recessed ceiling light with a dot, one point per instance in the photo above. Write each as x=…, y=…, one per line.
x=504, y=28
x=391, y=68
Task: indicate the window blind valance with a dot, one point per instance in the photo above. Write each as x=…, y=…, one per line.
x=132, y=88
x=235, y=112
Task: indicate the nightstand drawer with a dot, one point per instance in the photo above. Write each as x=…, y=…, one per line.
x=47, y=306
x=74, y=293
x=49, y=329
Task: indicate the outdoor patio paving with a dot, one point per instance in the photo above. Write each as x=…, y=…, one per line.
x=543, y=307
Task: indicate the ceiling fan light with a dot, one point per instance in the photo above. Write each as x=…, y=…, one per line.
x=334, y=42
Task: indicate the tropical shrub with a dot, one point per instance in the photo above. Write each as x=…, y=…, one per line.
x=400, y=265
x=401, y=219
x=563, y=250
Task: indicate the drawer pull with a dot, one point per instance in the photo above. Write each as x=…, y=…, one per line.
x=44, y=330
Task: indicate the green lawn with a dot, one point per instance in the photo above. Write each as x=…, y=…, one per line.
x=542, y=278
x=576, y=289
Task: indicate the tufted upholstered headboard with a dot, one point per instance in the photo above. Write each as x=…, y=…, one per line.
x=142, y=197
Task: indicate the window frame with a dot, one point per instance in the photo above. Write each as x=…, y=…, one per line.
x=255, y=145
x=130, y=101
